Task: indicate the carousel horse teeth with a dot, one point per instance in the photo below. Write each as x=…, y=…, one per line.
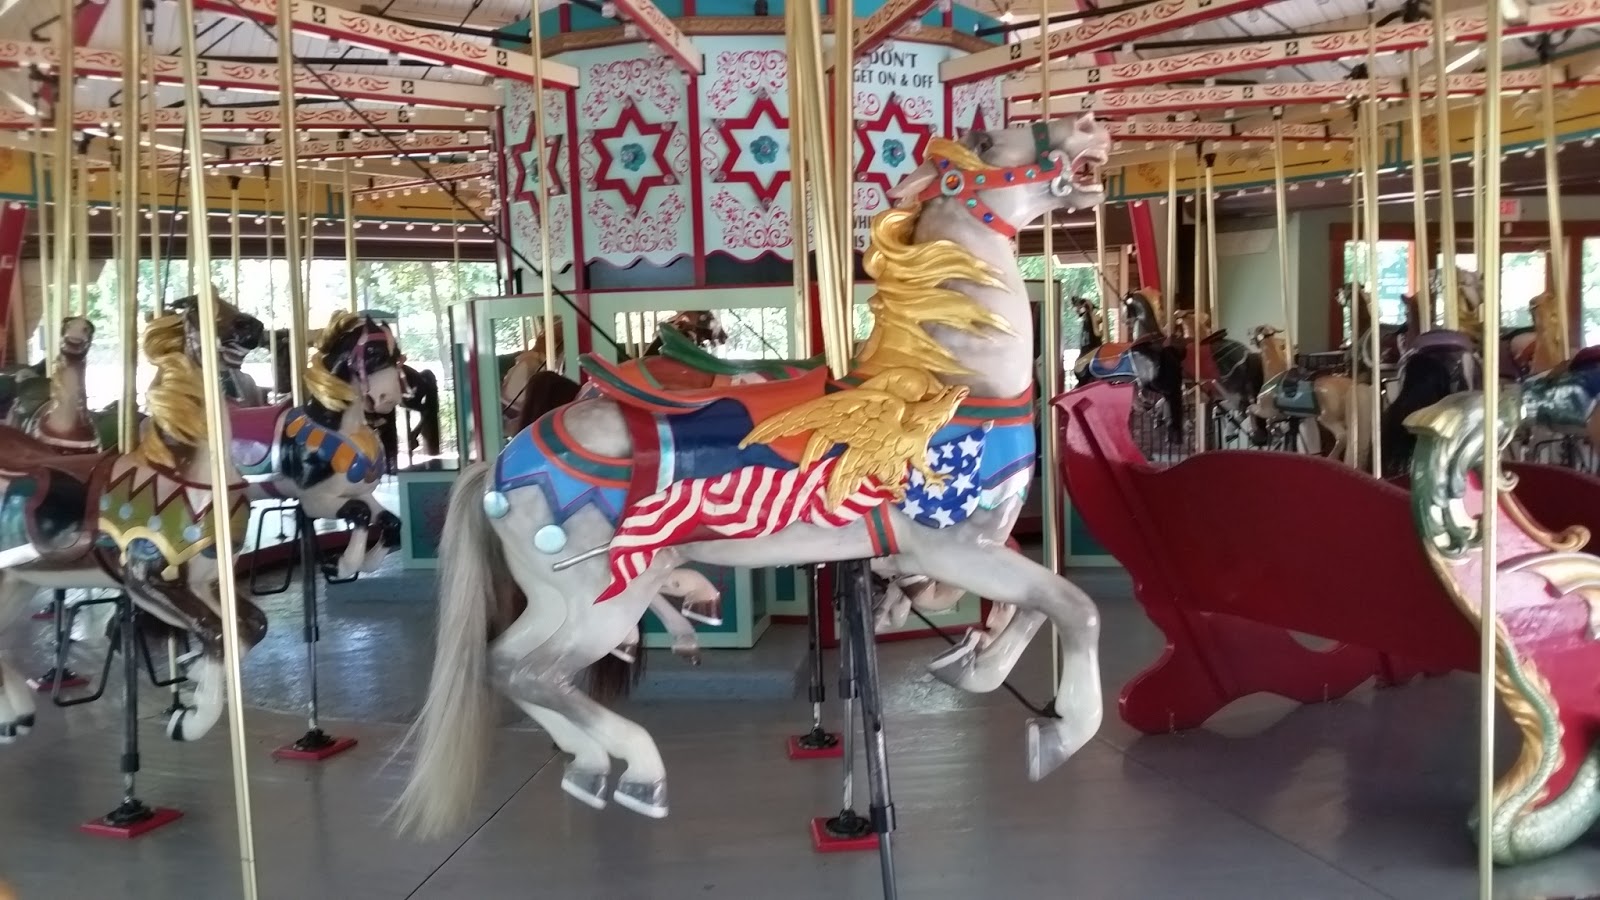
x=647, y=798
x=587, y=786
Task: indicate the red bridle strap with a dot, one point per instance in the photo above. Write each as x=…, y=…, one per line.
x=965, y=186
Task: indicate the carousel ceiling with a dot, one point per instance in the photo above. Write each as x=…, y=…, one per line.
x=457, y=138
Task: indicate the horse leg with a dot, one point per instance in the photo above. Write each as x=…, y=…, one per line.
x=685, y=642
x=999, y=573
x=642, y=787
x=587, y=775
x=16, y=698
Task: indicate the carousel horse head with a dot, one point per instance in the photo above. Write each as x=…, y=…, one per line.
x=238, y=331
x=1265, y=336
x=77, y=335
x=1006, y=178
x=699, y=325
x=364, y=360
x=176, y=397
x=1142, y=309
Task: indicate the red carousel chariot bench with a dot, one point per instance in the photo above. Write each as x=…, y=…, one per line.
x=1228, y=567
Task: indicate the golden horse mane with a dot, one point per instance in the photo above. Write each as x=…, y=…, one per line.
x=176, y=397
x=323, y=386
x=910, y=294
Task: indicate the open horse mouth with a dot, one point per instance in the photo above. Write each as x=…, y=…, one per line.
x=1086, y=170
x=233, y=354
x=75, y=346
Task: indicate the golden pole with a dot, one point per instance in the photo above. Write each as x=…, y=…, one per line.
x=1552, y=193
x=1480, y=208
x=233, y=232
x=1488, y=624
x=291, y=207
x=221, y=462
x=844, y=145
x=1199, y=294
x=66, y=212
x=1281, y=208
x=541, y=148
x=1447, y=190
x=272, y=284
x=81, y=237
x=1419, y=195
x=806, y=102
x=50, y=303
x=350, y=238
x=1375, y=342
x=128, y=207
x=1052, y=504
x=158, y=279
x=798, y=201
x=1213, y=302
x=1170, y=283
x=1353, y=281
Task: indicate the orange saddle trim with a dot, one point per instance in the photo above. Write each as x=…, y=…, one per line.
x=633, y=386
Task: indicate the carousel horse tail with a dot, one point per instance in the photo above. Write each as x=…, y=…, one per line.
x=452, y=735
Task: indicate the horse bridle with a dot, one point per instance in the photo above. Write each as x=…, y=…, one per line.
x=357, y=355
x=965, y=186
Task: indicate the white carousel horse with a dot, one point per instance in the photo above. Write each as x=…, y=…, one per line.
x=695, y=591
x=139, y=522
x=937, y=453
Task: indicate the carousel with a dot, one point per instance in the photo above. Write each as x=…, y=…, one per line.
x=427, y=425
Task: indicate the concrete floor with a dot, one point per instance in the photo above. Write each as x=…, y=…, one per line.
x=1364, y=798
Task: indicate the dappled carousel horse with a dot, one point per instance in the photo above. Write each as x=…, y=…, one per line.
x=323, y=453
x=1147, y=359
x=139, y=522
x=552, y=552
x=1291, y=393
x=63, y=421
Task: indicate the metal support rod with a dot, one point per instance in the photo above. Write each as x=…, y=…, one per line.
x=350, y=240
x=128, y=246
x=1489, y=622
x=858, y=613
x=1051, y=501
x=1447, y=191
x=818, y=691
x=128, y=631
x=1199, y=294
x=1352, y=279
x=234, y=261
x=288, y=139
x=849, y=690
x=217, y=421
x=311, y=632
x=1281, y=208
x=1552, y=189
x=1170, y=283
x=1419, y=196
x=66, y=214
x=844, y=146
x=1374, y=157
x=542, y=148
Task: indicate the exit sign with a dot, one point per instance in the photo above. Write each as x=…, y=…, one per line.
x=1510, y=209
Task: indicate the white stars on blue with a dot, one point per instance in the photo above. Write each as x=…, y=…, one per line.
x=954, y=501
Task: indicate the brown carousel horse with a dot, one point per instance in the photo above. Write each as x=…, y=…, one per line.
x=63, y=421
x=1328, y=398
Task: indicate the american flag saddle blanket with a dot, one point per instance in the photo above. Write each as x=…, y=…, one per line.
x=689, y=480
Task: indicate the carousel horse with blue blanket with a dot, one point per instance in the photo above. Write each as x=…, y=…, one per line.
x=923, y=453
x=323, y=453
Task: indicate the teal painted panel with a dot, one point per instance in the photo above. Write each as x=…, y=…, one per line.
x=723, y=579
x=1080, y=542
x=425, y=505
x=968, y=21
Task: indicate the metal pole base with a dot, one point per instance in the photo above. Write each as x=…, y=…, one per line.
x=131, y=820
x=316, y=746
x=844, y=832
x=815, y=744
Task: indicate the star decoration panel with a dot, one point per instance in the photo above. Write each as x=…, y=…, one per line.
x=522, y=173
x=744, y=136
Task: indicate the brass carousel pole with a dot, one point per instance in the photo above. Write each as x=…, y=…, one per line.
x=546, y=276
x=217, y=421
x=66, y=211
x=1352, y=420
x=798, y=197
x=1488, y=629
x=128, y=207
x=291, y=209
x=1281, y=209
x=233, y=233
x=1447, y=191
x=1419, y=195
x=158, y=281
x=1374, y=157
x=1552, y=193
x=844, y=144
x=1199, y=293
x=50, y=303
x=350, y=238
x=1050, y=499
x=1170, y=283
x=1480, y=209
x=80, y=271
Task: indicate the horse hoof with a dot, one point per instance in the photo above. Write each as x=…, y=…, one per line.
x=24, y=724
x=647, y=798
x=1049, y=746
x=587, y=786
x=955, y=666
x=8, y=733
x=175, y=725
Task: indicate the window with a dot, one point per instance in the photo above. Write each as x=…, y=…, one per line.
x=1394, y=278
x=1523, y=276
x=1589, y=298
